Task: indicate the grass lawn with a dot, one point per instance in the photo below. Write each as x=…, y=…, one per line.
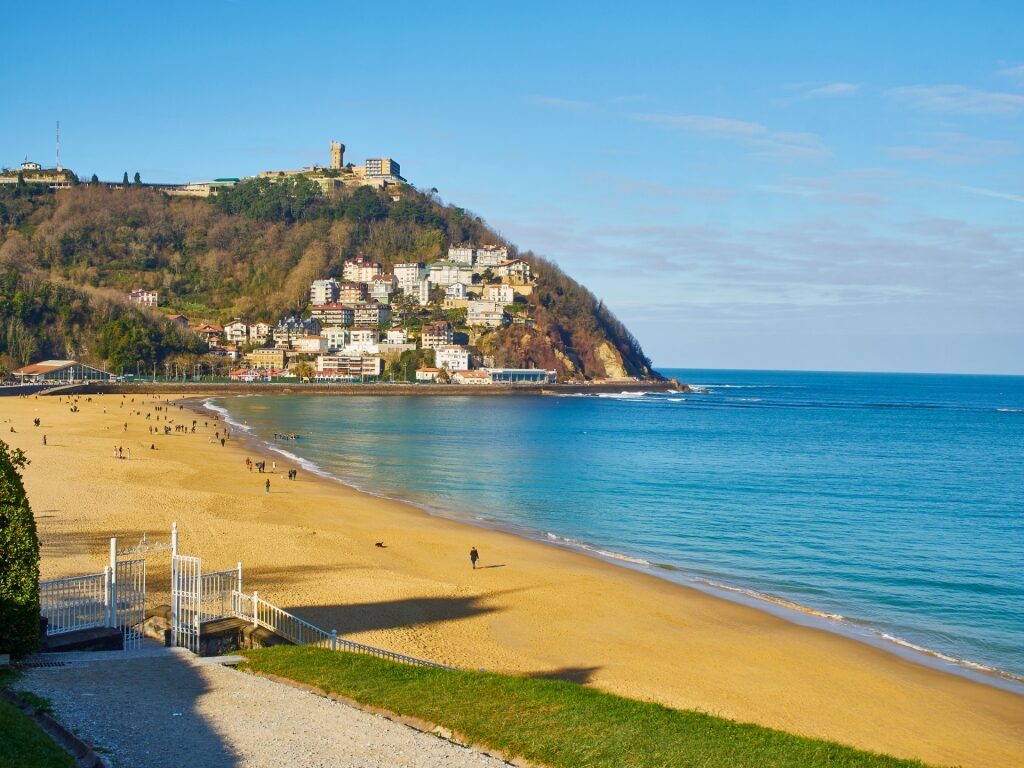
x=555, y=723
x=22, y=744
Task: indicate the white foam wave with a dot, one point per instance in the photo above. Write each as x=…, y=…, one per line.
x=596, y=550
x=226, y=416
x=1010, y=410
x=765, y=597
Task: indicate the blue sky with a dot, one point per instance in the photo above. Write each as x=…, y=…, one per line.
x=750, y=185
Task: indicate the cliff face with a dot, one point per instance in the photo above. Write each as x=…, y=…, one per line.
x=253, y=253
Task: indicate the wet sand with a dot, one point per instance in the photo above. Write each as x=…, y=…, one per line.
x=309, y=546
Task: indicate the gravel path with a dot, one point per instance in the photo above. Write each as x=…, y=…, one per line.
x=163, y=707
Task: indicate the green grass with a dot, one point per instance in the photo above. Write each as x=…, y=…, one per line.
x=23, y=744
x=555, y=723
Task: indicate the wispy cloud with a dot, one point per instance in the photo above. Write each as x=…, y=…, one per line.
x=952, y=148
x=572, y=105
x=1015, y=74
x=993, y=193
x=958, y=99
x=830, y=90
x=823, y=190
x=764, y=142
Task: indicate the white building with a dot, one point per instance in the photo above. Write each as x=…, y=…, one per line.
x=336, y=337
x=309, y=345
x=144, y=298
x=360, y=270
x=499, y=294
x=456, y=291
x=409, y=273
x=419, y=291
x=446, y=272
x=427, y=374
x=516, y=270
x=491, y=256
x=462, y=254
x=471, y=377
x=323, y=292
x=397, y=336
x=382, y=286
x=485, y=313
x=348, y=366
x=451, y=357
x=259, y=332
x=363, y=341
x=372, y=313
x=236, y=332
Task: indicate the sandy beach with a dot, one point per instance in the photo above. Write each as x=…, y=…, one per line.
x=309, y=546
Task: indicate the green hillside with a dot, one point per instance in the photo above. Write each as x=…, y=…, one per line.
x=68, y=258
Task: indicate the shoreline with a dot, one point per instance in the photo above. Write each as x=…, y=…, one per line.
x=308, y=546
x=782, y=607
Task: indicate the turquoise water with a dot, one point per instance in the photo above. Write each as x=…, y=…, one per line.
x=895, y=502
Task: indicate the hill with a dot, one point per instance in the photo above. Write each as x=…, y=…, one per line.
x=68, y=259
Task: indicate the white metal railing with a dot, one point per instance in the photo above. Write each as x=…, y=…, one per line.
x=300, y=632
x=79, y=602
x=216, y=590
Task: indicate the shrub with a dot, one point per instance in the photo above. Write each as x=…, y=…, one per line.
x=19, y=559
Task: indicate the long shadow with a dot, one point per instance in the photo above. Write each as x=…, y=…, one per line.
x=366, y=617
x=580, y=675
x=141, y=711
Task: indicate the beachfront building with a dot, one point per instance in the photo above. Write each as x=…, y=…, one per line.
x=462, y=254
x=259, y=333
x=348, y=367
x=451, y=357
x=372, y=313
x=500, y=294
x=446, y=272
x=323, y=291
x=336, y=337
x=309, y=345
x=381, y=288
x=437, y=334
x=291, y=328
x=360, y=270
x=267, y=359
x=471, y=377
x=514, y=270
x=485, y=313
x=521, y=376
x=236, y=332
x=427, y=374
x=144, y=298
x=490, y=256
x=59, y=372
x=409, y=273
x=333, y=314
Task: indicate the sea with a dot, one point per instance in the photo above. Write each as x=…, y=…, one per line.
x=889, y=507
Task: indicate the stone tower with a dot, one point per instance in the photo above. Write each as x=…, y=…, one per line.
x=337, y=155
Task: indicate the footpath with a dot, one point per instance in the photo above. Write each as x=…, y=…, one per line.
x=165, y=707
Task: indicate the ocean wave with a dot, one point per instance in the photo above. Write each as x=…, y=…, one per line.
x=1010, y=410
x=226, y=416
x=950, y=659
x=765, y=597
x=564, y=541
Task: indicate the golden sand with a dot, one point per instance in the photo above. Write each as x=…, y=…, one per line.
x=309, y=546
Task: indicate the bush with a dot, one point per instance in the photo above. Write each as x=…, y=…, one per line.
x=19, y=559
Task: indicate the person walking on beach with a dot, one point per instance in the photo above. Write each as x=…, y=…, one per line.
x=268, y=485
x=44, y=439
x=473, y=556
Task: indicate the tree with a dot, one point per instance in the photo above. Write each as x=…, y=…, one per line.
x=138, y=178
x=95, y=179
x=125, y=179
x=303, y=371
x=19, y=559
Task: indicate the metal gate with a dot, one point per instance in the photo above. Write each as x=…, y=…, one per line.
x=186, y=600
x=128, y=600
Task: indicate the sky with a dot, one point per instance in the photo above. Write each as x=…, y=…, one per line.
x=784, y=185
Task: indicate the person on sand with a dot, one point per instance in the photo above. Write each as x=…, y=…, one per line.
x=44, y=439
x=268, y=485
x=473, y=556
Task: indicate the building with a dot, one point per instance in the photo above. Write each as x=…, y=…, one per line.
x=291, y=328
x=348, y=367
x=323, y=292
x=437, y=334
x=236, y=332
x=333, y=314
x=34, y=173
x=363, y=341
x=309, y=345
x=490, y=256
x=451, y=357
x=360, y=270
x=259, y=333
x=409, y=273
x=382, y=286
x=446, y=272
x=208, y=332
x=372, y=313
x=178, y=321
x=471, y=377
x=427, y=374
x=456, y=291
x=337, y=155
x=351, y=293
x=337, y=338
x=397, y=336
x=516, y=270
x=462, y=254
x=267, y=359
x=144, y=298
x=499, y=294
x=522, y=376
x=383, y=167
x=59, y=372
x=419, y=291
x=485, y=313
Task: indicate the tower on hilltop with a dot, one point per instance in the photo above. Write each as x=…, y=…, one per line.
x=337, y=154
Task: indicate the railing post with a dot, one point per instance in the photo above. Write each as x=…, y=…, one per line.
x=334, y=639
x=106, y=596
x=255, y=608
x=113, y=583
x=174, y=539
x=239, y=587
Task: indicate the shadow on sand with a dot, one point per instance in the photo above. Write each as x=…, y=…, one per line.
x=579, y=675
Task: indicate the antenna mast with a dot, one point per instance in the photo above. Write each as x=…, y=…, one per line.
x=58, y=145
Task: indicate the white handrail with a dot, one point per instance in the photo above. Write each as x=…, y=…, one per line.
x=78, y=602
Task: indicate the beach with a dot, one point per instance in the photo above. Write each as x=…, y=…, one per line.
x=309, y=546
